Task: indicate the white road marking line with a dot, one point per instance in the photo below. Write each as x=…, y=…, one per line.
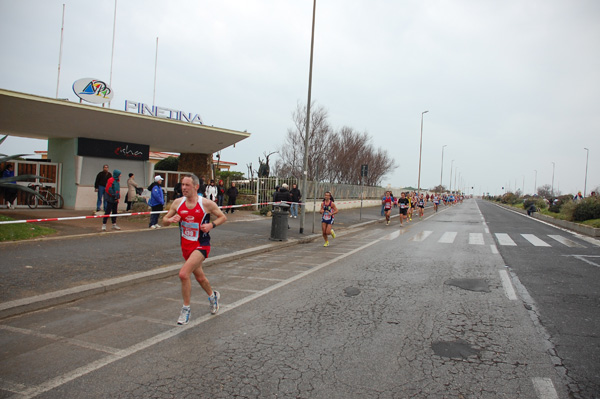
x=509, y=290
x=494, y=249
x=393, y=235
x=566, y=241
x=421, y=235
x=448, y=237
x=583, y=258
x=504, y=239
x=535, y=240
x=544, y=388
x=476, y=238
x=121, y=354
x=487, y=230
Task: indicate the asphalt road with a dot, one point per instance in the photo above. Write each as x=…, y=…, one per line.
x=426, y=310
x=560, y=284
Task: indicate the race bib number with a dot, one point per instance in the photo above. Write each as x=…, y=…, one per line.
x=326, y=216
x=190, y=231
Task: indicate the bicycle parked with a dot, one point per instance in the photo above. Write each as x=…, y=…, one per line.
x=45, y=197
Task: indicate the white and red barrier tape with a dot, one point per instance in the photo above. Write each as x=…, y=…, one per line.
x=137, y=213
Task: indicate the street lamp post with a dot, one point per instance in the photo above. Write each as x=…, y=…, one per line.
x=553, y=166
x=306, y=138
x=586, y=167
x=535, y=183
x=450, y=186
x=420, y=150
x=442, y=172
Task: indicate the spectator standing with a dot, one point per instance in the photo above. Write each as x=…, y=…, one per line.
x=131, y=191
x=232, y=193
x=283, y=195
x=10, y=194
x=157, y=201
x=112, y=194
x=100, y=187
x=220, y=193
x=296, y=196
x=201, y=186
x=177, y=189
x=211, y=191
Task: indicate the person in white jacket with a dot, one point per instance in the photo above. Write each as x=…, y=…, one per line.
x=211, y=191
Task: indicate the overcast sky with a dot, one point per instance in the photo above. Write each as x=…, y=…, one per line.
x=511, y=86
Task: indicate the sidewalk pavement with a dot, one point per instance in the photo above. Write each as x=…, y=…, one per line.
x=63, y=281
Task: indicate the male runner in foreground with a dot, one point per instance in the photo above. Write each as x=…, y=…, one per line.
x=193, y=214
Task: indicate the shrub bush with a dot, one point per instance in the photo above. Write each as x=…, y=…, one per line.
x=510, y=199
x=586, y=209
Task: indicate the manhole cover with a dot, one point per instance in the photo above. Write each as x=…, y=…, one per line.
x=454, y=349
x=471, y=284
x=351, y=291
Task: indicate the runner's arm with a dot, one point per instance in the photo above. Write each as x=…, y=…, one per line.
x=212, y=208
x=172, y=216
x=334, y=208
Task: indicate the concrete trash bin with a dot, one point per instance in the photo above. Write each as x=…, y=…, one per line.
x=279, y=224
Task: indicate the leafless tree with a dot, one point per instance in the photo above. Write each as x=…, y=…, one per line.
x=336, y=156
x=292, y=151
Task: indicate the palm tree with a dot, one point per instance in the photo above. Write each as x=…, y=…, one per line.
x=9, y=182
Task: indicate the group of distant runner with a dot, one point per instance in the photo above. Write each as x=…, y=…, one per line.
x=409, y=202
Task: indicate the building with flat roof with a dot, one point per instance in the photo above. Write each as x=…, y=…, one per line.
x=84, y=137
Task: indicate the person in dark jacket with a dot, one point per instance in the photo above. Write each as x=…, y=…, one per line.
x=283, y=194
x=296, y=196
x=220, y=193
x=232, y=193
x=10, y=194
x=112, y=194
x=100, y=187
x=157, y=201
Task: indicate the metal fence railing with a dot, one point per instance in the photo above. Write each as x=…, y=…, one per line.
x=264, y=188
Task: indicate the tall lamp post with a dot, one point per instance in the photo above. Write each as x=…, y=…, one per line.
x=420, y=150
x=306, y=141
x=535, y=183
x=586, y=166
x=442, y=172
x=553, y=166
x=450, y=187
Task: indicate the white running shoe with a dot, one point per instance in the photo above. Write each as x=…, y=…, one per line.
x=214, y=302
x=153, y=226
x=115, y=227
x=103, y=227
x=158, y=226
x=184, y=317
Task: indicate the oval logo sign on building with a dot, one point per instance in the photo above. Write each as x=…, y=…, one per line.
x=93, y=90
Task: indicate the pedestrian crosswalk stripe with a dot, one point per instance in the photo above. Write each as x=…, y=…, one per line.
x=566, y=241
x=476, y=238
x=504, y=239
x=448, y=237
x=535, y=240
x=421, y=235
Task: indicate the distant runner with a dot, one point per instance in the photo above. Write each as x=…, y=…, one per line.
x=403, y=206
x=421, y=205
x=387, y=202
x=328, y=210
